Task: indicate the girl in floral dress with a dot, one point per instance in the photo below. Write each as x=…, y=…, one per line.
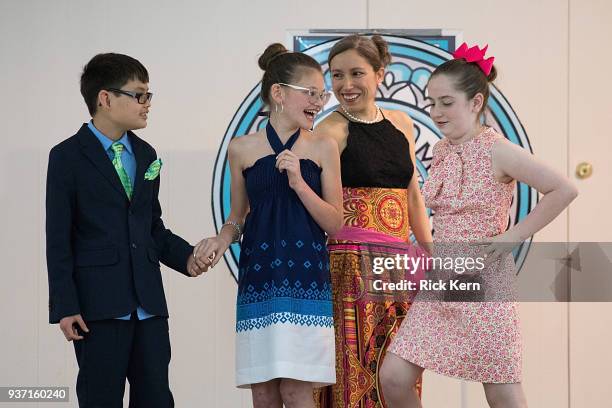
x=470, y=189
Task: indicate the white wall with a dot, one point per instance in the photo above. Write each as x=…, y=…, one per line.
x=201, y=57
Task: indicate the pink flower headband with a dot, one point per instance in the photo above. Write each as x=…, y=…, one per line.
x=475, y=55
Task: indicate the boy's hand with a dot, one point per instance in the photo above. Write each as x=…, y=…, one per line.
x=195, y=267
x=210, y=250
x=67, y=325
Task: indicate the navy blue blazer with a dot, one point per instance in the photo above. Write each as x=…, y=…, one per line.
x=103, y=250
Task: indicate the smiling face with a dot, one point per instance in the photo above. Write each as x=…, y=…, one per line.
x=453, y=113
x=355, y=82
x=299, y=108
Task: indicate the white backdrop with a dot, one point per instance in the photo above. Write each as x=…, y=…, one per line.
x=201, y=56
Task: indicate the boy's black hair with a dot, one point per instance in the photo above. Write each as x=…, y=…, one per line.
x=109, y=70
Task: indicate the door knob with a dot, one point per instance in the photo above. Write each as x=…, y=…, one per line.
x=584, y=170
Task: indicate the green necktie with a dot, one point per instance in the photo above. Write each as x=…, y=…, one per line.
x=117, y=148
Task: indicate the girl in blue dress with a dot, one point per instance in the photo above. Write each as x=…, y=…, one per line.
x=286, y=192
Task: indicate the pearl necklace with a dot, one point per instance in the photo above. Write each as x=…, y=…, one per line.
x=356, y=119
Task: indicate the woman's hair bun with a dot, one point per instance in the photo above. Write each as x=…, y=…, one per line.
x=383, y=49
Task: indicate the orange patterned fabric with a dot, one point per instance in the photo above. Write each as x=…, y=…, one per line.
x=363, y=328
x=380, y=209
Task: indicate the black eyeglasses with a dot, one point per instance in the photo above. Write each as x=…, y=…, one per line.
x=142, y=98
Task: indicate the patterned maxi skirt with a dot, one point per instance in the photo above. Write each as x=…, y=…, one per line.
x=376, y=220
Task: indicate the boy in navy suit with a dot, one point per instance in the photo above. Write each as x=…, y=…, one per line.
x=105, y=239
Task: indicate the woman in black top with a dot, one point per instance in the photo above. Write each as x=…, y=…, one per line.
x=381, y=203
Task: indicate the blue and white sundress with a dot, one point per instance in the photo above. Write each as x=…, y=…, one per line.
x=284, y=326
